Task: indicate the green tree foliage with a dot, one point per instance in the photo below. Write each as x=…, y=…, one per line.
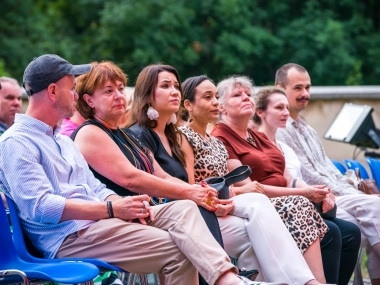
x=22, y=35
x=3, y=72
x=337, y=41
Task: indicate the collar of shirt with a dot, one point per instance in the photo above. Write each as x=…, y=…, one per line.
x=3, y=127
x=297, y=124
x=37, y=124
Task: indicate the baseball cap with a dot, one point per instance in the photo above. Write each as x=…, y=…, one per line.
x=47, y=69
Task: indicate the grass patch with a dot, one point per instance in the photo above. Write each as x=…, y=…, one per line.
x=364, y=268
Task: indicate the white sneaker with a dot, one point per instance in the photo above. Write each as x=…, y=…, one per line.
x=246, y=281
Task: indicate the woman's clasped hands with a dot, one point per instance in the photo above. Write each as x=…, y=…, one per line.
x=329, y=202
x=316, y=193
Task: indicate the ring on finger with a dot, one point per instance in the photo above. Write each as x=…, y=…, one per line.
x=142, y=210
x=208, y=201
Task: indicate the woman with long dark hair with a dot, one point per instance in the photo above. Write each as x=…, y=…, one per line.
x=156, y=99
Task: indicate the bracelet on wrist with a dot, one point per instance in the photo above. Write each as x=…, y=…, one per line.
x=110, y=210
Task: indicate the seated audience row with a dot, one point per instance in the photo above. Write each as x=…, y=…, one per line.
x=66, y=211
x=69, y=207
x=150, y=90
x=162, y=92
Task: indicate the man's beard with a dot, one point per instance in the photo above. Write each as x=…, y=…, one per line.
x=65, y=110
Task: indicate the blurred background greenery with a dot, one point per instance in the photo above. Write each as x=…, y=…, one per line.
x=364, y=267
x=337, y=41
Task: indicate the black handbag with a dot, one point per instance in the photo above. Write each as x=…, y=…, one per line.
x=222, y=183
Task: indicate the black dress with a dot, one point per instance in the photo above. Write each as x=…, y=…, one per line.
x=173, y=166
x=170, y=164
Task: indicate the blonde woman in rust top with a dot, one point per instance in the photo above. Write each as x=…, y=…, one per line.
x=246, y=147
x=250, y=225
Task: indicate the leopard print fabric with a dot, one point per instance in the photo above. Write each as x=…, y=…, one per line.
x=297, y=213
x=301, y=219
x=209, y=157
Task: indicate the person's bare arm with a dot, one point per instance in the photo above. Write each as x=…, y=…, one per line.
x=312, y=193
x=113, y=197
x=127, y=208
x=189, y=157
x=105, y=157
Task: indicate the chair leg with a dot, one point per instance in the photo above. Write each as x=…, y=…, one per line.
x=358, y=277
x=131, y=279
x=143, y=279
x=121, y=275
x=156, y=282
x=4, y=273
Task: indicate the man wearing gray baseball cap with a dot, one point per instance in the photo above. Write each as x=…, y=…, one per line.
x=49, y=81
x=47, y=69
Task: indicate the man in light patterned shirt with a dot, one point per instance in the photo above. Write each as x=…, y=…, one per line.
x=353, y=205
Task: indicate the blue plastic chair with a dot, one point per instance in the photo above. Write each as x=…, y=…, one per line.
x=18, y=236
x=352, y=164
x=339, y=165
x=374, y=165
x=65, y=272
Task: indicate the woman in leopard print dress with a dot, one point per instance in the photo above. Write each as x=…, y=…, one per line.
x=209, y=157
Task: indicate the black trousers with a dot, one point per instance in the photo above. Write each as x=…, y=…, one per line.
x=340, y=247
x=213, y=225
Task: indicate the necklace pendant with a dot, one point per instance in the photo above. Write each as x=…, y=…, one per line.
x=252, y=141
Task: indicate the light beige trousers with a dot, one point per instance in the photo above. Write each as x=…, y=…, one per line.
x=176, y=244
x=364, y=211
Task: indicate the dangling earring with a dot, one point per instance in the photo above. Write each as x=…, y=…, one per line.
x=152, y=113
x=172, y=119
